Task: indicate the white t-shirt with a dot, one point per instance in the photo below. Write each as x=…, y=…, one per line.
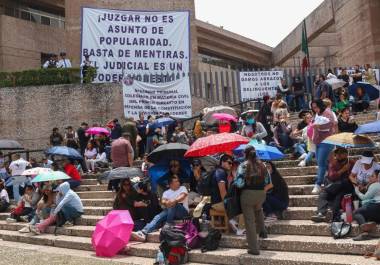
x=2, y=168
x=18, y=166
x=90, y=154
x=173, y=194
x=4, y=195
x=362, y=173
x=64, y=63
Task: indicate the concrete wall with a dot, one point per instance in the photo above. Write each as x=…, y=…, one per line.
x=29, y=113
x=73, y=16
x=21, y=43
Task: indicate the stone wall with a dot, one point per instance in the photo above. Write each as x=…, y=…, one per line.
x=28, y=114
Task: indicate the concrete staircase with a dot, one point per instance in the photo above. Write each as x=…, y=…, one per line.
x=294, y=240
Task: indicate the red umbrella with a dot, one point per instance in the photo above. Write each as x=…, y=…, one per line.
x=216, y=143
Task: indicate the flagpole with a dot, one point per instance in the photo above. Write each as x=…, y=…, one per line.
x=308, y=59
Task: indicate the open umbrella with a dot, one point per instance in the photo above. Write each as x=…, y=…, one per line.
x=36, y=171
x=112, y=233
x=372, y=92
x=224, y=117
x=162, y=122
x=249, y=113
x=372, y=127
x=215, y=143
x=267, y=152
x=64, y=151
x=124, y=172
x=349, y=140
x=97, y=131
x=168, y=152
x=336, y=83
x=10, y=145
x=208, y=112
x=50, y=176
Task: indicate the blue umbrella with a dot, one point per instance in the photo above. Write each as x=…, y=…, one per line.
x=264, y=152
x=372, y=127
x=162, y=122
x=64, y=151
x=370, y=90
x=158, y=172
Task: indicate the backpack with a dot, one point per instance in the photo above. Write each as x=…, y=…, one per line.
x=210, y=241
x=173, y=245
x=205, y=183
x=191, y=234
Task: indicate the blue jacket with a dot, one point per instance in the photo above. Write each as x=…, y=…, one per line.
x=67, y=197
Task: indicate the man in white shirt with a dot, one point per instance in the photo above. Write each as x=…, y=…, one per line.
x=175, y=201
x=17, y=167
x=64, y=62
x=363, y=170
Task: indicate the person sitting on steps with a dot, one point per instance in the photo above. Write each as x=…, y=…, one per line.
x=336, y=186
x=176, y=206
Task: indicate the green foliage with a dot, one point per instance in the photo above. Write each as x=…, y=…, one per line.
x=40, y=77
x=90, y=76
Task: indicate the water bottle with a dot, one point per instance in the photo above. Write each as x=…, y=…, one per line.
x=160, y=258
x=348, y=206
x=204, y=224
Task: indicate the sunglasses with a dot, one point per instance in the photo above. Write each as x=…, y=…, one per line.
x=196, y=165
x=229, y=162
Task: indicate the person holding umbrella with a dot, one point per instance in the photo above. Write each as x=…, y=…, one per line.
x=360, y=101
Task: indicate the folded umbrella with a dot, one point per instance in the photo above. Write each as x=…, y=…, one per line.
x=112, y=233
x=36, y=171
x=372, y=127
x=336, y=83
x=10, y=145
x=97, y=131
x=349, y=140
x=224, y=117
x=50, y=176
x=370, y=90
x=64, y=151
x=168, y=152
x=215, y=143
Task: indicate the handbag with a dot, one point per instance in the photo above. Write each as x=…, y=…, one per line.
x=340, y=229
x=232, y=202
x=191, y=234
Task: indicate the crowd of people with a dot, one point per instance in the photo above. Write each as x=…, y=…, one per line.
x=263, y=192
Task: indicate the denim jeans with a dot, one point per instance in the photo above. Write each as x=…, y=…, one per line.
x=167, y=215
x=322, y=155
x=18, y=181
x=289, y=99
x=70, y=213
x=300, y=101
x=73, y=183
x=309, y=157
x=300, y=148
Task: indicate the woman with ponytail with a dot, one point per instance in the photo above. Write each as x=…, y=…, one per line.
x=256, y=178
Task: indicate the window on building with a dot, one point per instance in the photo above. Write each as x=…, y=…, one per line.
x=25, y=15
x=208, y=91
x=10, y=11
x=45, y=20
x=226, y=94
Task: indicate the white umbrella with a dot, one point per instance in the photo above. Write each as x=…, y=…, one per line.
x=218, y=109
x=336, y=83
x=35, y=171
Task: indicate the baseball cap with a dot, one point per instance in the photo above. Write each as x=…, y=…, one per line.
x=367, y=157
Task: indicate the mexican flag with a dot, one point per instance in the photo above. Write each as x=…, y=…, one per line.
x=305, y=48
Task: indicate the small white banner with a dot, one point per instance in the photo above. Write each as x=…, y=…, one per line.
x=255, y=85
x=154, y=99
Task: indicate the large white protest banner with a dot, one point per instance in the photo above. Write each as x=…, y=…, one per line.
x=255, y=85
x=142, y=44
x=152, y=99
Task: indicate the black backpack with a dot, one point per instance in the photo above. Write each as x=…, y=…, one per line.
x=173, y=245
x=205, y=183
x=211, y=240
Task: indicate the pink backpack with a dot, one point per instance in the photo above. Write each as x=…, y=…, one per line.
x=191, y=234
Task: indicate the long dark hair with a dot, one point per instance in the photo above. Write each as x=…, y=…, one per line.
x=320, y=105
x=280, y=188
x=255, y=173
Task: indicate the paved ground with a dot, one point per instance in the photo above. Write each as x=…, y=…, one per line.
x=24, y=254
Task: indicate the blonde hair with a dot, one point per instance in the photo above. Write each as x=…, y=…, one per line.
x=327, y=102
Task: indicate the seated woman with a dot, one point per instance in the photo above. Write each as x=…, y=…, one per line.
x=73, y=172
x=99, y=161
x=24, y=207
x=4, y=198
x=345, y=124
x=254, y=130
x=89, y=155
x=342, y=102
x=124, y=197
x=299, y=134
x=277, y=197
x=282, y=131
x=360, y=102
x=369, y=213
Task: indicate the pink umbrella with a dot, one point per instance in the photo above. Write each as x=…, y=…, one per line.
x=112, y=233
x=224, y=117
x=97, y=131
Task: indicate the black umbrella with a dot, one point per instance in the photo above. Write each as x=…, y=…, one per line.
x=10, y=145
x=168, y=152
x=123, y=173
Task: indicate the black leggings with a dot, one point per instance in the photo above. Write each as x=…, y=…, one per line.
x=368, y=213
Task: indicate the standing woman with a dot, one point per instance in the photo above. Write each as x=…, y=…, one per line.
x=323, y=127
x=252, y=197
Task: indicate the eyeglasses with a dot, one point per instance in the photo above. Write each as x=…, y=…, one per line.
x=229, y=162
x=196, y=165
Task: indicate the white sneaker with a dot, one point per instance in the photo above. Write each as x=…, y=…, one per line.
x=234, y=225
x=24, y=219
x=25, y=229
x=240, y=232
x=302, y=157
x=302, y=163
x=138, y=236
x=316, y=189
x=10, y=220
x=34, y=230
x=68, y=224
